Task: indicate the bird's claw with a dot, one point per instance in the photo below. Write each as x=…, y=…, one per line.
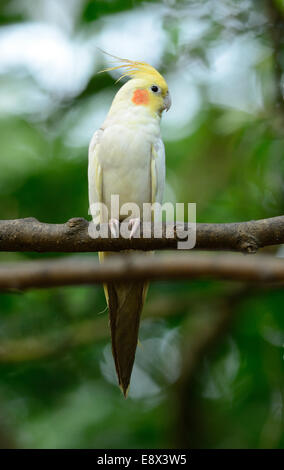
x=114, y=227
x=134, y=224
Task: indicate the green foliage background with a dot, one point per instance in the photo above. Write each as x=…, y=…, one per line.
x=224, y=146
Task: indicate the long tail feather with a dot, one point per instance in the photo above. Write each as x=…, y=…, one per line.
x=125, y=306
x=125, y=302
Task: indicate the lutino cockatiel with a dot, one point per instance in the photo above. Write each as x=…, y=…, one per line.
x=127, y=158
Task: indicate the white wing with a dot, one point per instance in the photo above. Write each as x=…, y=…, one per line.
x=158, y=171
x=95, y=175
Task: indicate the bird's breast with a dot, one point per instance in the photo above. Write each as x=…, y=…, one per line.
x=125, y=156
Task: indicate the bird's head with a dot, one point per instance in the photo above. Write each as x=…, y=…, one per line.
x=146, y=87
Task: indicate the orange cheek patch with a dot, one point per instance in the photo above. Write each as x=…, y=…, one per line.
x=140, y=97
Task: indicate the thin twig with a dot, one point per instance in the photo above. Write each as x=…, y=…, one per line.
x=76, y=271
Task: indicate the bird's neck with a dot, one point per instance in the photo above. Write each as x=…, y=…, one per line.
x=133, y=115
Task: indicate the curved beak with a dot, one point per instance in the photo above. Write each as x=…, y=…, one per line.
x=167, y=101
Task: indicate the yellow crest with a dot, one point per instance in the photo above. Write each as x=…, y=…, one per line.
x=135, y=69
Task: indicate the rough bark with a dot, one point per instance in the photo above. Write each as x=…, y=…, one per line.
x=73, y=236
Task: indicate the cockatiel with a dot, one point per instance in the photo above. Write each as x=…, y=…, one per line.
x=127, y=158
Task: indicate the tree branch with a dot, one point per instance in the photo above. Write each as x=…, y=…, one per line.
x=76, y=271
x=32, y=235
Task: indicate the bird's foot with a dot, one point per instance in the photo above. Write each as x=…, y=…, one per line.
x=133, y=224
x=114, y=227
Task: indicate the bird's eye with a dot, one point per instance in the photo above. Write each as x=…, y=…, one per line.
x=155, y=88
